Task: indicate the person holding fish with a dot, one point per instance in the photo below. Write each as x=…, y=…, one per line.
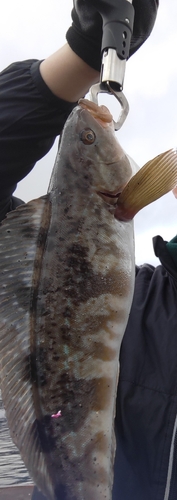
x=36, y=100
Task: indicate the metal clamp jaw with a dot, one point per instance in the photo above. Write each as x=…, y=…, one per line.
x=97, y=89
x=118, y=18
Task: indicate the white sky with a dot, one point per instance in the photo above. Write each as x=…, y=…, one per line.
x=35, y=29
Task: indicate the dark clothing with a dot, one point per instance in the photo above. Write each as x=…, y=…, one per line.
x=31, y=117
x=147, y=391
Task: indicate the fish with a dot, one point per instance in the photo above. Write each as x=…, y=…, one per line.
x=67, y=275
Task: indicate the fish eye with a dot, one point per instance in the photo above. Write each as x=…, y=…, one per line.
x=87, y=136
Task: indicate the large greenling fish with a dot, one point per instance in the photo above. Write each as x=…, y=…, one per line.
x=66, y=286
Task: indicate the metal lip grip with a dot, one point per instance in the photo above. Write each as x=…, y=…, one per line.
x=118, y=19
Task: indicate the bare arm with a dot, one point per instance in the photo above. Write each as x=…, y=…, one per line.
x=67, y=75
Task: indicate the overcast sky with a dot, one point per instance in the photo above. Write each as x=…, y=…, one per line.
x=35, y=29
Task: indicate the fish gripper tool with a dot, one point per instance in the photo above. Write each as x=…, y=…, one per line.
x=118, y=19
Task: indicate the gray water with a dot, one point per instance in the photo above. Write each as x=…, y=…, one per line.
x=12, y=469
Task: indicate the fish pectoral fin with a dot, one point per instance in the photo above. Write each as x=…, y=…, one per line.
x=153, y=180
x=22, y=237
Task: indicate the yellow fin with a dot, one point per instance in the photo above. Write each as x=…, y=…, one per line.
x=156, y=178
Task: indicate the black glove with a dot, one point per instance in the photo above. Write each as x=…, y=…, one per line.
x=85, y=34
x=145, y=16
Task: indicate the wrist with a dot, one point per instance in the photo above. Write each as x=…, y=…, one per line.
x=67, y=75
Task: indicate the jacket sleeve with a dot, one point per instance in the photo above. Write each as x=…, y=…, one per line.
x=31, y=118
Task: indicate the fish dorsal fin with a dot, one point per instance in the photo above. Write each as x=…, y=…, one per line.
x=22, y=239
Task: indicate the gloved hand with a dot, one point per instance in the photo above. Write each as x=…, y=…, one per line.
x=85, y=34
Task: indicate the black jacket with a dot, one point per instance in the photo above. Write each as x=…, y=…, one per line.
x=30, y=119
x=146, y=458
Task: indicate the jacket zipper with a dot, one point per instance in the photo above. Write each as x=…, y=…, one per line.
x=171, y=463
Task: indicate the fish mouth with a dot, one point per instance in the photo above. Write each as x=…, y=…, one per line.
x=110, y=197
x=100, y=113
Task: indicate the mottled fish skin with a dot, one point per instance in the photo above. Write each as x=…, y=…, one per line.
x=63, y=316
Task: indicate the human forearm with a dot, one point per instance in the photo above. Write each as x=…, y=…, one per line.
x=67, y=75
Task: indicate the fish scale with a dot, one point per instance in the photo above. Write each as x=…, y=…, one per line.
x=66, y=287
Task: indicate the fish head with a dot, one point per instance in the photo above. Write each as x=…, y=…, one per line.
x=110, y=167
x=96, y=151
